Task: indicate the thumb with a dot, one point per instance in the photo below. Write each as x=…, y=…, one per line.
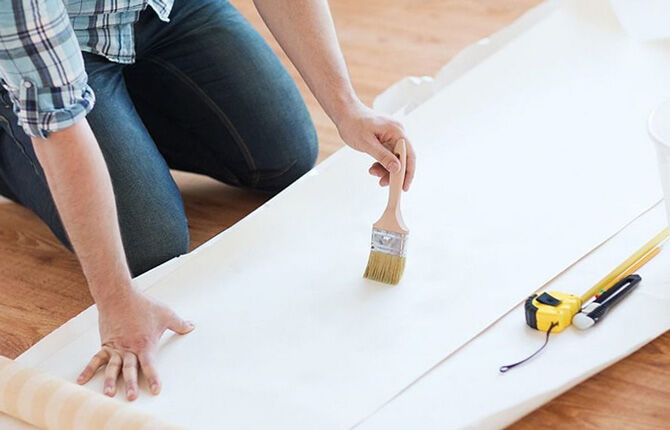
x=385, y=157
x=179, y=325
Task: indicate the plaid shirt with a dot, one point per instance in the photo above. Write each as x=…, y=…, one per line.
x=41, y=65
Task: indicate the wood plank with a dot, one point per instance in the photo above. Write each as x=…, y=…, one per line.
x=383, y=40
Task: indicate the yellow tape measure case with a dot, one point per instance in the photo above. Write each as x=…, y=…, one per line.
x=551, y=307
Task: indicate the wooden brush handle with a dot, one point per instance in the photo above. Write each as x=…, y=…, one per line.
x=392, y=218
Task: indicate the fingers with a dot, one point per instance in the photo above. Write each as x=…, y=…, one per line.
x=150, y=373
x=394, y=131
x=410, y=166
x=378, y=170
x=383, y=155
x=112, y=373
x=130, y=375
x=179, y=326
x=98, y=360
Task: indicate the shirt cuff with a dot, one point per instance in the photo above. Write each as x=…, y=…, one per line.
x=43, y=110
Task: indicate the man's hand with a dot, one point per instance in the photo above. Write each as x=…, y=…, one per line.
x=366, y=131
x=130, y=323
x=130, y=327
x=305, y=31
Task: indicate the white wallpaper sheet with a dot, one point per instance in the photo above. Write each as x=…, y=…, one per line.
x=527, y=162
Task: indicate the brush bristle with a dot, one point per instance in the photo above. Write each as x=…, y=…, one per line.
x=385, y=268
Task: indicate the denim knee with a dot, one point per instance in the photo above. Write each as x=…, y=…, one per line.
x=156, y=244
x=301, y=147
x=304, y=153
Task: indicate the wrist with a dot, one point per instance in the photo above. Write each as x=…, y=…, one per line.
x=345, y=108
x=113, y=295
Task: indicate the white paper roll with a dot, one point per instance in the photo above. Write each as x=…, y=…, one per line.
x=50, y=403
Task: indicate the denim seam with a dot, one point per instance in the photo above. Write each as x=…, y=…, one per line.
x=217, y=110
x=274, y=175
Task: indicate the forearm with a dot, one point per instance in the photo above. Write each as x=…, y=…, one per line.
x=82, y=190
x=305, y=30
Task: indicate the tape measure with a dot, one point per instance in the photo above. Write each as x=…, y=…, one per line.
x=551, y=307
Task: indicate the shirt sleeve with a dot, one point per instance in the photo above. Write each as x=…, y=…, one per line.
x=41, y=66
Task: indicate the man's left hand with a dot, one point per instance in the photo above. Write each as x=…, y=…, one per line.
x=367, y=131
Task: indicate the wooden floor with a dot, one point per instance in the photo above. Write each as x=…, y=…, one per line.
x=41, y=285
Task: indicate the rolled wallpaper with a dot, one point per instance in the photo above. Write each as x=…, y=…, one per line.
x=51, y=403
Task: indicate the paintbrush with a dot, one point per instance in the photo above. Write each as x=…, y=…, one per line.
x=389, y=234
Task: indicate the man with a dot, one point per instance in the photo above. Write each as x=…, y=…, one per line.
x=183, y=84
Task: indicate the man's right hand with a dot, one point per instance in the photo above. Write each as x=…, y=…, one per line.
x=131, y=324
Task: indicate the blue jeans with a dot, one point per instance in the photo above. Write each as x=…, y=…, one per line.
x=206, y=95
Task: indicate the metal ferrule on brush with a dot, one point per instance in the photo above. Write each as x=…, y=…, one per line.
x=389, y=242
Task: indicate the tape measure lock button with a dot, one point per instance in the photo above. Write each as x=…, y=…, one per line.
x=548, y=299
